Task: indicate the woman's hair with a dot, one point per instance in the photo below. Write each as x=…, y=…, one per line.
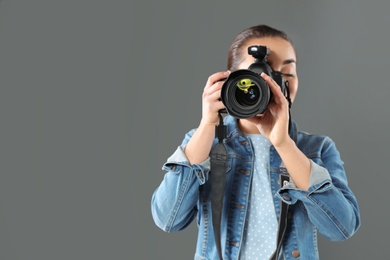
x=236, y=53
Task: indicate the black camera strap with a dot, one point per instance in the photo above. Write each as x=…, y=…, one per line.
x=218, y=158
x=282, y=221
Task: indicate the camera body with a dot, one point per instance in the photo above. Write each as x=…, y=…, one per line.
x=245, y=93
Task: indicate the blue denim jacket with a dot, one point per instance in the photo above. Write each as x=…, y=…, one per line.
x=329, y=206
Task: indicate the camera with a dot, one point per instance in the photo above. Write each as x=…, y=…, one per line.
x=245, y=93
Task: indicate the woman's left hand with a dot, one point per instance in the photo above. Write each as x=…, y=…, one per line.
x=273, y=123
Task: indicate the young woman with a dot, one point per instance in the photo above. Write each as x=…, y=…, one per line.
x=259, y=149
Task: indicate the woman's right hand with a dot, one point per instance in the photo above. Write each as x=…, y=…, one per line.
x=199, y=146
x=211, y=98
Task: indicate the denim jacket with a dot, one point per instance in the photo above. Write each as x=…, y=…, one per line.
x=329, y=206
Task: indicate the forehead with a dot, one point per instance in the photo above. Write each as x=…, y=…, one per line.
x=279, y=49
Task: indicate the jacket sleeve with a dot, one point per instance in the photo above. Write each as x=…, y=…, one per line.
x=174, y=202
x=330, y=203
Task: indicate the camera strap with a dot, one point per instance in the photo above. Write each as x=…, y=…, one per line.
x=218, y=159
x=282, y=220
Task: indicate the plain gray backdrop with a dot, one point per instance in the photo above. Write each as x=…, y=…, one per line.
x=95, y=96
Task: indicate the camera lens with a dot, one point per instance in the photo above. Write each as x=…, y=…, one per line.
x=245, y=94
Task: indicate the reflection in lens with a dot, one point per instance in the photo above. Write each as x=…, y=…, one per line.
x=244, y=84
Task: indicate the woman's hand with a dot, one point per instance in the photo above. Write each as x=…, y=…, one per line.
x=273, y=124
x=199, y=146
x=211, y=98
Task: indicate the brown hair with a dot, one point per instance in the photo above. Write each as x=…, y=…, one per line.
x=236, y=53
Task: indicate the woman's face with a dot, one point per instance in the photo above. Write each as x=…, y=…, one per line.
x=281, y=58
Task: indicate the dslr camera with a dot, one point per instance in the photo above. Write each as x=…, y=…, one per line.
x=245, y=93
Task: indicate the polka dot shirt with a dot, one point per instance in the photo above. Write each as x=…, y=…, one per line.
x=259, y=239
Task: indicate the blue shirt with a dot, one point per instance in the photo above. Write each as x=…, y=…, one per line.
x=261, y=225
x=328, y=206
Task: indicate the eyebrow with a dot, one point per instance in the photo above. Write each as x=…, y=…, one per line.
x=289, y=61
x=285, y=62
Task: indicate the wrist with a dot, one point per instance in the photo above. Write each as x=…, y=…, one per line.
x=206, y=128
x=207, y=124
x=286, y=145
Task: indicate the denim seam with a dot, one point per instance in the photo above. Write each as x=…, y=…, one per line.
x=206, y=223
x=315, y=242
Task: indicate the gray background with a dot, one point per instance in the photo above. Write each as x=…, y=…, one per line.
x=95, y=95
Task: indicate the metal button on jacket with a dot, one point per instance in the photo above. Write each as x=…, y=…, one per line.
x=286, y=197
x=295, y=253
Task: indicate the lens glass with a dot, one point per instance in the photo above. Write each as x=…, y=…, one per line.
x=249, y=95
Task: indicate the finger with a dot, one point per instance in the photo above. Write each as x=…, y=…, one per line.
x=214, y=99
x=275, y=88
x=219, y=76
x=216, y=87
x=219, y=105
x=216, y=95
